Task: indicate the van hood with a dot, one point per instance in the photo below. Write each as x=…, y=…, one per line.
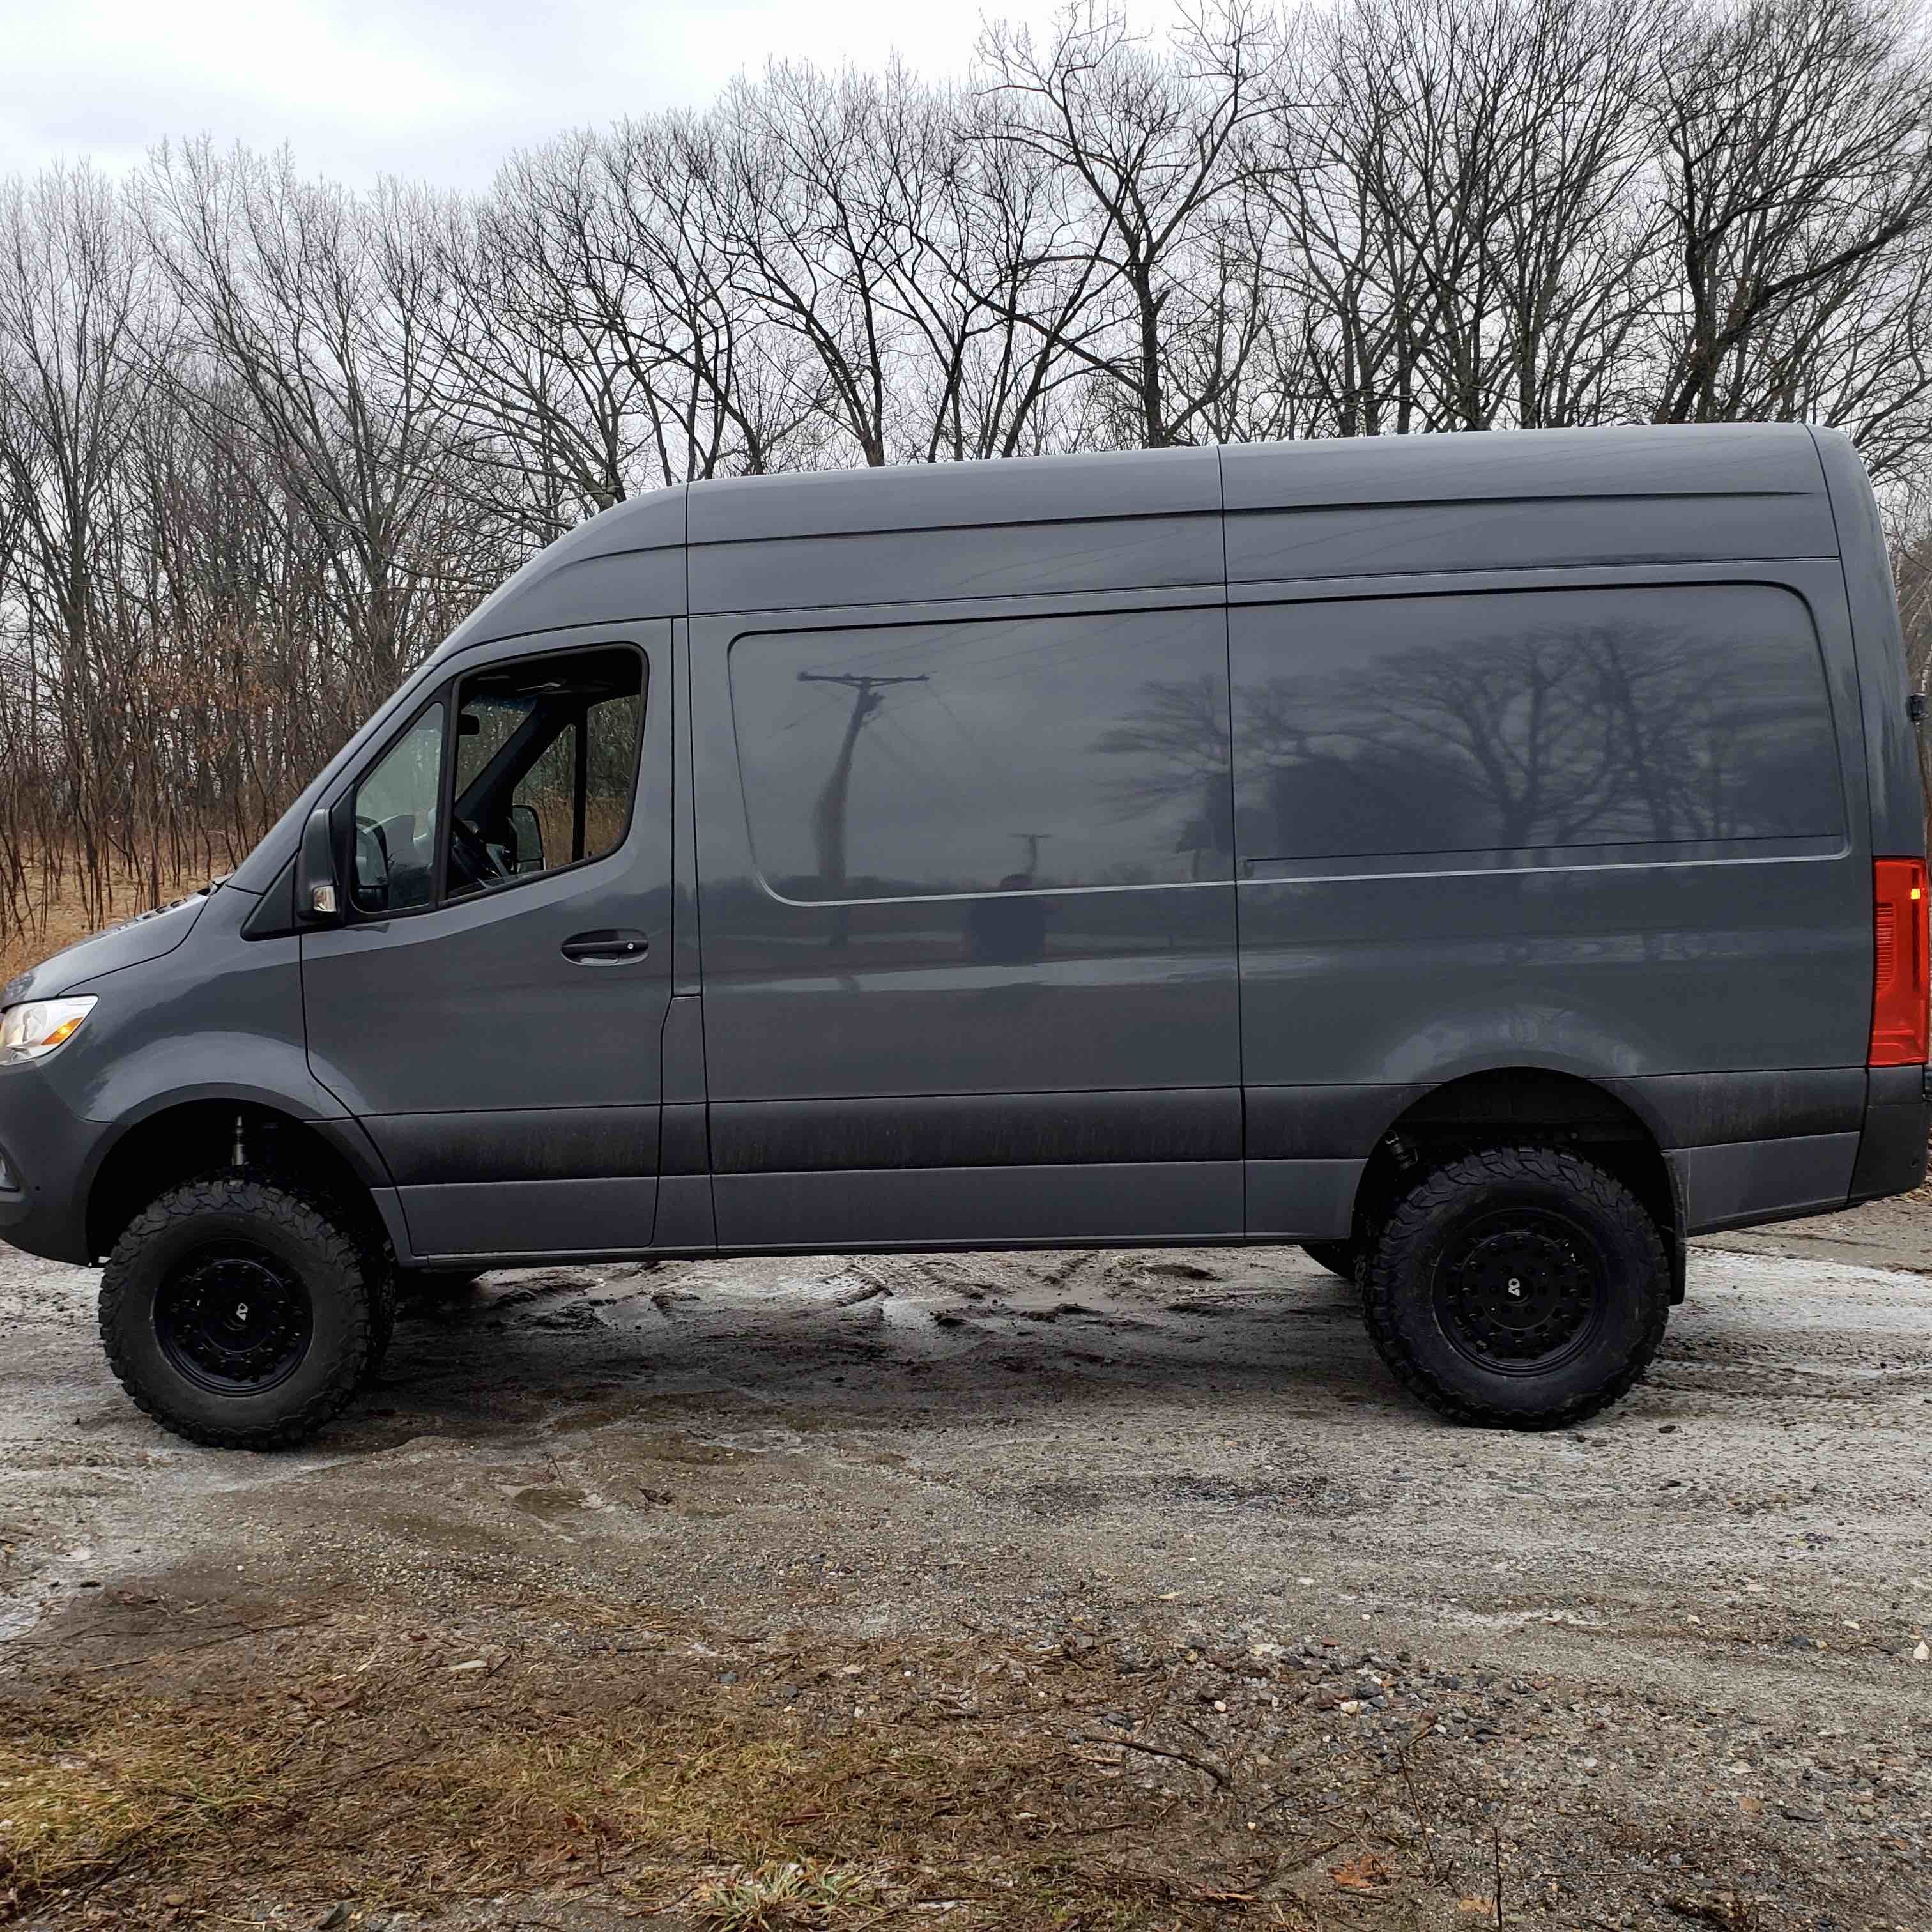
x=132, y=942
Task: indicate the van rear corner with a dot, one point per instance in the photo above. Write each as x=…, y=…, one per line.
x=1892, y=1146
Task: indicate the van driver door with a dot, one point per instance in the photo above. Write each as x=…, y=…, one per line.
x=492, y=1007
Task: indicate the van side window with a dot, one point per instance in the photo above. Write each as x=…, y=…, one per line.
x=986, y=755
x=1527, y=719
x=546, y=765
x=395, y=814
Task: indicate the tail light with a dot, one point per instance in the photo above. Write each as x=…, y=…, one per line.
x=1901, y=995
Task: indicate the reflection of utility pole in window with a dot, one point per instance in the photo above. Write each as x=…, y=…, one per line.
x=828, y=815
x=1034, y=840
x=1011, y=931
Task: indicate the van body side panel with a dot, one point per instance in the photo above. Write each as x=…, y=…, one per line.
x=1892, y=1144
x=937, y=497
x=1744, y=1182
x=1564, y=532
x=1530, y=466
x=1002, y=560
x=1582, y=829
x=1890, y=741
x=939, y=1207
x=969, y=939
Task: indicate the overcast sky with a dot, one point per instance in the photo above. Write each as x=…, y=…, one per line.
x=431, y=88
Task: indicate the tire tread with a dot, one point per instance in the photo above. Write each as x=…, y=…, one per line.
x=306, y=1215
x=1381, y=1278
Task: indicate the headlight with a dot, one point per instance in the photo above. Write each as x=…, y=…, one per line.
x=29, y=1032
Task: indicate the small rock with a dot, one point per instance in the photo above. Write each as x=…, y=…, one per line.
x=1666, y=1429
x=337, y=1915
x=1921, y=1654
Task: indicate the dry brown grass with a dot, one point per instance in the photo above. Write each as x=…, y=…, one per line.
x=61, y=916
x=738, y=1786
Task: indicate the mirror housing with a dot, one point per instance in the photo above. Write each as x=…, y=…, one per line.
x=529, y=829
x=318, y=889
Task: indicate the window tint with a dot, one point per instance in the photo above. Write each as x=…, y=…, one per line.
x=395, y=812
x=1536, y=718
x=986, y=756
x=546, y=765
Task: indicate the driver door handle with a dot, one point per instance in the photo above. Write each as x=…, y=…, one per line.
x=615, y=948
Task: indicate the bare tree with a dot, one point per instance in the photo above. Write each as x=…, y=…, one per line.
x=1791, y=139
x=1153, y=155
x=318, y=310
x=73, y=381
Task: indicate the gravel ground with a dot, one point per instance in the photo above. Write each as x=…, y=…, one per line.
x=1676, y=1662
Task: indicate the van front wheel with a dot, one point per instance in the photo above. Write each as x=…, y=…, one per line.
x=1517, y=1287
x=238, y=1312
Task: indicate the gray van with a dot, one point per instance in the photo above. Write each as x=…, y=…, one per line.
x=1483, y=860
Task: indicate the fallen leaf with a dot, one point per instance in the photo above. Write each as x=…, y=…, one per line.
x=1363, y=1873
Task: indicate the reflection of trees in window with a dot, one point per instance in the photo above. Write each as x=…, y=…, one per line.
x=1550, y=734
x=1175, y=740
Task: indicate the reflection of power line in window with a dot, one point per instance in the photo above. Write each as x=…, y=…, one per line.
x=937, y=758
x=836, y=705
x=921, y=772
x=986, y=758
x=1108, y=648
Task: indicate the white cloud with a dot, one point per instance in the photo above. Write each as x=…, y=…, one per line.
x=429, y=88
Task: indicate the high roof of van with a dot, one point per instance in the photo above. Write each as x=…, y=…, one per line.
x=1760, y=460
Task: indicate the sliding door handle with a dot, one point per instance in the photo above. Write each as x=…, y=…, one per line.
x=606, y=949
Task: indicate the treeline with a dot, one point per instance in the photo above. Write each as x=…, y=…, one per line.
x=263, y=440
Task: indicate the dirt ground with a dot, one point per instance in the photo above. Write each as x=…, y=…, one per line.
x=1093, y=1590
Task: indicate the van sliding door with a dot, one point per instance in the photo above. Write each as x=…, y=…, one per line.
x=968, y=922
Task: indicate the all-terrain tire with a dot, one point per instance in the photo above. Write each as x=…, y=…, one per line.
x=1539, y=1222
x=1337, y=1257
x=385, y=1290
x=299, y=1240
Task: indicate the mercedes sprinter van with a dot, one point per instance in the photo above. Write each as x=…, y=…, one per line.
x=1484, y=860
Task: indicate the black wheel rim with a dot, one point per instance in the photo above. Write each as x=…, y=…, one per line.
x=1521, y=1290
x=234, y=1320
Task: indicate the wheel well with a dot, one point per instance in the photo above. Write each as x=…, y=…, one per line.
x=200, y=1136
x=1526, y=1104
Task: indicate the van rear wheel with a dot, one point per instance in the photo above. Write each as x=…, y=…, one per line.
x=240, y=1313
x=1517, y=1287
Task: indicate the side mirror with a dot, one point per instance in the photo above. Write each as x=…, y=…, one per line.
x=371, y=884
x=529, y=829
x=318, y=891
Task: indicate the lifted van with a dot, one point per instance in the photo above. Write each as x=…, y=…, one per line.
x=1483, y=860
